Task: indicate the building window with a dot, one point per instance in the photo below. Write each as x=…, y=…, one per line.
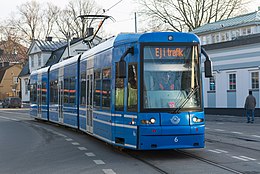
x=204, y=40
x=39, y=60
x=26, y=85
x=32, y=61
x=233, y=34
x=213, y=38
x=217, y=38
x=232, y=81
x=223, y=37
x=237, y=32
x=227, y=36
x=208, y=39
x=255, y=80
x=212, y=83
x=249, y=30
x=244, y=30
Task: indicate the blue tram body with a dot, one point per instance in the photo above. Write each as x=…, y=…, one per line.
x=39, y=96
x=137, y=112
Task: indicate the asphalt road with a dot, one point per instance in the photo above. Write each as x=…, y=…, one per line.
x=28, y=147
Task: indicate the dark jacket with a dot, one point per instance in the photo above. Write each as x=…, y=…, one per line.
x=250, y=102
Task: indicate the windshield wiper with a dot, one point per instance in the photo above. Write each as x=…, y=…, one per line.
x=191, y=93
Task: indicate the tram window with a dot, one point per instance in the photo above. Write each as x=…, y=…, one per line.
x=72, y=91
x=83, y=88
x=33, y=96
x=66, y=91
x=44, y=92
x=106, y=75
x=132, y=88
x=119, y=92
x=97, y=88
x=53, y=92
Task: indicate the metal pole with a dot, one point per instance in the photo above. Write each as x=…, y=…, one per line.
x=68, y=40
x=135, y=23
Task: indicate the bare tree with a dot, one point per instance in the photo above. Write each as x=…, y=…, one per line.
x=30, y=19
x=35, y=20
x=68, y=21
x=50, y=17
x=186, y=15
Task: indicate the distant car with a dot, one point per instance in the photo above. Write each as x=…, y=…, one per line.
x=12, y=102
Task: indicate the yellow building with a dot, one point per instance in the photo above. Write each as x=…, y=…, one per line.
x=9, y=82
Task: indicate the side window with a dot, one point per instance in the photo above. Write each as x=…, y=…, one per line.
x=83, y=88
x=44, y=93
x=66, y=90
x=33, y=93
x=54, y=92
x=97, y=88
x=106, y=83
x=232, y=81
x=72, y=91
x=212, y=83
x=255, y=80
x=132, y=88
x=82, y=85
x=119, y=93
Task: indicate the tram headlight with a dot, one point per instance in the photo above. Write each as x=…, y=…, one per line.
x=197, y=120
x=151, y=121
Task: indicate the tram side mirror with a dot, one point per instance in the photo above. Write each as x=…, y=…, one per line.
x=207, y=64
x=121, y=67
x=208, y=68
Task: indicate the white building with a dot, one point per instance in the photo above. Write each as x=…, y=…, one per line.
x=46, y=53
x=234, y=48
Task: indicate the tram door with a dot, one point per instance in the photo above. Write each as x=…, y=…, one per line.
x=39, y=99
x=60, y=98
x=89, y=93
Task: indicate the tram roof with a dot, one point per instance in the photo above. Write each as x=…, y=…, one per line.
x=125, y=38
x=65, y=62
x=40, y=71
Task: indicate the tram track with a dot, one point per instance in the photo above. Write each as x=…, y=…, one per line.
x=134, y=154
x=209, y=162
x=158, y=169
x=234, y=144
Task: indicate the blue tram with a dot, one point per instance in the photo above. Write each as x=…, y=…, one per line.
x=137, y=91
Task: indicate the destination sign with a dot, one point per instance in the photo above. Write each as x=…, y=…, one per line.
x=160, y=52
x=168, y=52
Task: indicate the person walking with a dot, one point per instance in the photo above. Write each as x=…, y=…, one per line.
x=250, y=104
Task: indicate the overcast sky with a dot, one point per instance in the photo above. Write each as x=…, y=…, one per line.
x=123, y=12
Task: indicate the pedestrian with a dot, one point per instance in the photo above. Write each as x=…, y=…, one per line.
x=250, y=104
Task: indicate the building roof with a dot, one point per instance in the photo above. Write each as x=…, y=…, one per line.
x=50, y=45
x=242, y=40
x=2, y=71
x=243, y=20
x=25, y=71
x=12, y=58
x=11, y=51
x=55, y=56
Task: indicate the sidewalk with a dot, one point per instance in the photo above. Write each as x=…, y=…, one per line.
x=229, y=118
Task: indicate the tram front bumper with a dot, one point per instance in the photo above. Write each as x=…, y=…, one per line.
x=168, y=137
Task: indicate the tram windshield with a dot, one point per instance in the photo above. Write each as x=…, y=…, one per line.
x=171, y=78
